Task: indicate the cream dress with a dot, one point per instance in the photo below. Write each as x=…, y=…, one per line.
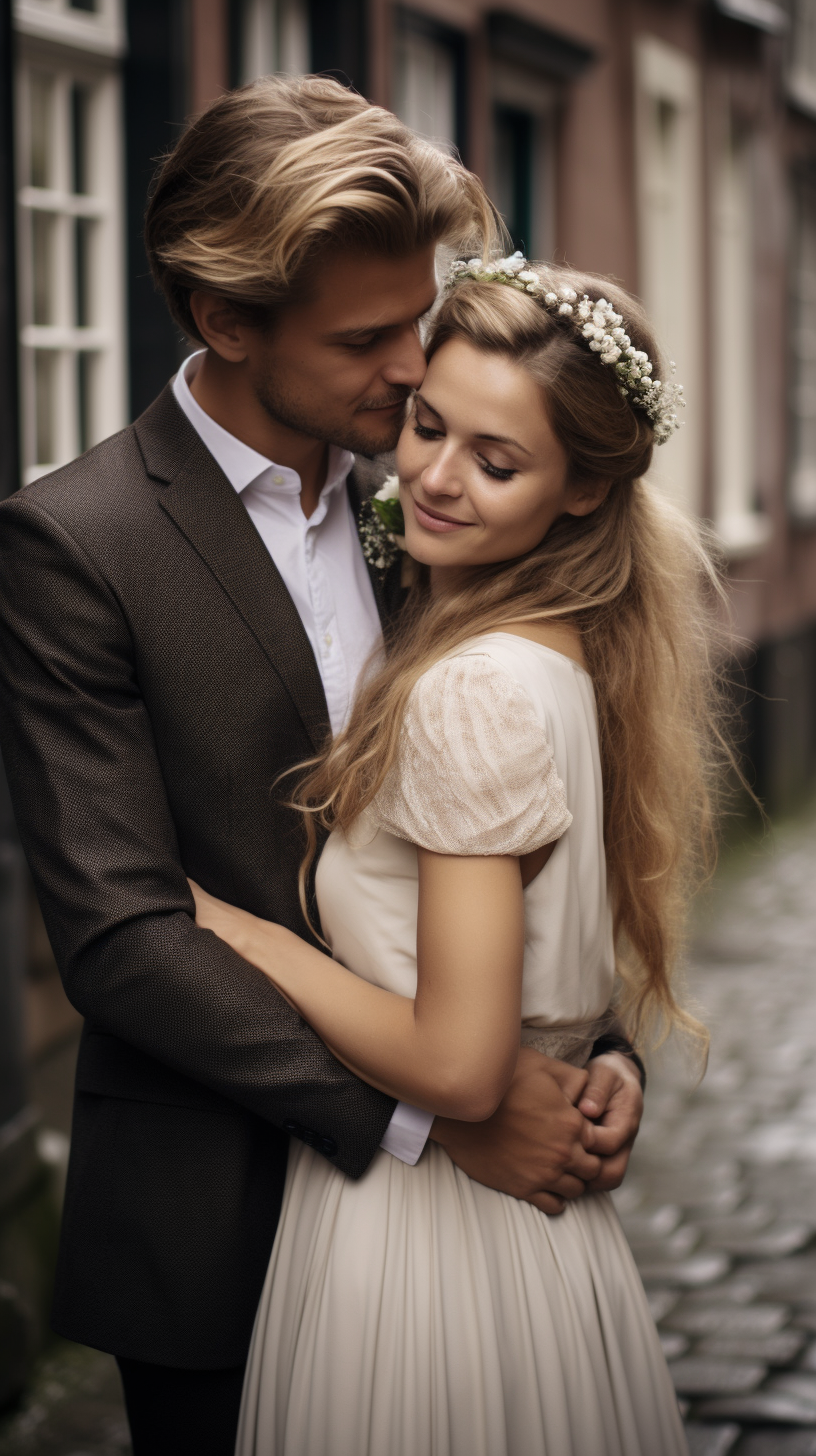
x=414, y=1312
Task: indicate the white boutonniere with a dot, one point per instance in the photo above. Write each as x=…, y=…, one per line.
x=382, y=526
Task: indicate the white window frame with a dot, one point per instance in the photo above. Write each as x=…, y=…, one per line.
x=742, y=528
x=83, y=48
x=667, y=82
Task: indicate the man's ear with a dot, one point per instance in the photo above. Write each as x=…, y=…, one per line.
x=585, y=496
x=219, y=326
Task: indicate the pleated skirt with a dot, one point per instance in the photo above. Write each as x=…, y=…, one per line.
x=417, y=1313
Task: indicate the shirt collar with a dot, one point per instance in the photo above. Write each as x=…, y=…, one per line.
x=240, y=463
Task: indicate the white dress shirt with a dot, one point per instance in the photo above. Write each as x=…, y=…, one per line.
x=322, y=566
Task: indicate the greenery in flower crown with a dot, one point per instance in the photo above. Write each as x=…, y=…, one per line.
x=382, y=526
x=599, y=324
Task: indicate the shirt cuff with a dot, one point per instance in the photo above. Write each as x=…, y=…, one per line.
x=407, y=1133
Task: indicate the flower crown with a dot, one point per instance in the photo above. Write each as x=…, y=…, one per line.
x=602, y=328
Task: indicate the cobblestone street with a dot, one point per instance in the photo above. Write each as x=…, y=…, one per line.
x=720, y=1202
x=719, y=1205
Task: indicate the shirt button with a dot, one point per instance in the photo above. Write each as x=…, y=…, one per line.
x=328, y=639
x=277, y=480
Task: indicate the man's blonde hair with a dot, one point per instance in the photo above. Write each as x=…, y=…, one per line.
x=272, y=177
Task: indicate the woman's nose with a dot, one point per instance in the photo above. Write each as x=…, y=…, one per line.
x=440, y=477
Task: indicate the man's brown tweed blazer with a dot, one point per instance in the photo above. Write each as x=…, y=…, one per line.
x=155, y=680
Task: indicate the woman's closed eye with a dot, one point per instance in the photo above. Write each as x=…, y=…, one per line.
x=497, y=472
x=426, y=432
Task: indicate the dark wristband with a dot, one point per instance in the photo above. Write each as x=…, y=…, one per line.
x=612, y=1043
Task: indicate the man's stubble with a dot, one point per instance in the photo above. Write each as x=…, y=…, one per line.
x=341, y=430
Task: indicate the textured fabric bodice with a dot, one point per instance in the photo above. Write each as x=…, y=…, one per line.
x=498, y=755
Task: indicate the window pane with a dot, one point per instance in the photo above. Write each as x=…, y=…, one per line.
x=80, y=101
x=42, y=266
x=733, y=353
x=45, y=403
x=804, y=49
x=669, y=184
x=83, y=242
x=803, y=344
x=294, y=40
x=85, y=368
x=426, y=87
x=514, y=173
x=42, y=102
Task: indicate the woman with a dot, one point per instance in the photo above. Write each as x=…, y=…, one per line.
x=514, y=810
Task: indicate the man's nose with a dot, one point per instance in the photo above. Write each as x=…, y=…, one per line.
x=406, y=363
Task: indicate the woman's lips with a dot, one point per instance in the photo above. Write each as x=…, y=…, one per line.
x=434, y=522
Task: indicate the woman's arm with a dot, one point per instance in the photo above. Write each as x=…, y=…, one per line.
x=453, y=1050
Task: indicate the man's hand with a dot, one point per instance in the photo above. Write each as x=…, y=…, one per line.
x=535, y=1146
x=613, y=1101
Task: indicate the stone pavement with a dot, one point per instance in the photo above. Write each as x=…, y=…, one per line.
x=719, y=1204
x=72, y=1407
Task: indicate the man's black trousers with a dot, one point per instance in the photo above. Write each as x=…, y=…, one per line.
x=181, y=1412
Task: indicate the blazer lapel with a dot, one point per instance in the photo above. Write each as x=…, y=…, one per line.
x=208, y=511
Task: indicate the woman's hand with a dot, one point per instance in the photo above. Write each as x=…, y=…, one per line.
x=230, y=924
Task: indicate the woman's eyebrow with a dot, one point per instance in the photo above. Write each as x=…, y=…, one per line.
x=506, y=440
x=497, y=439
x=427, y=404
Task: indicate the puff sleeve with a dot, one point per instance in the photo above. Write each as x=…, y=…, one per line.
x=474, y=773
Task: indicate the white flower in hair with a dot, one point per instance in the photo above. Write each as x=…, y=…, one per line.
x=600, y=325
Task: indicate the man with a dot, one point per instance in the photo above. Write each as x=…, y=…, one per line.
x=184, y=613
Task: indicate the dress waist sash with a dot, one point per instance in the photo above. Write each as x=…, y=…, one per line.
x=571, y=1044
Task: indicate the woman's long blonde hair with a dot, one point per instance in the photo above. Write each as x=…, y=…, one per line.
x=637, y=581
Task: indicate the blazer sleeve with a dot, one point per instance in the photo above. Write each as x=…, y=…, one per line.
x=95, y=824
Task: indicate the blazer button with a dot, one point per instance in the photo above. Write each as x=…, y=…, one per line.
x=328, y=1146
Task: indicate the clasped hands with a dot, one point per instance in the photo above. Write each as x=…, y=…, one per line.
x=559, y=1132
